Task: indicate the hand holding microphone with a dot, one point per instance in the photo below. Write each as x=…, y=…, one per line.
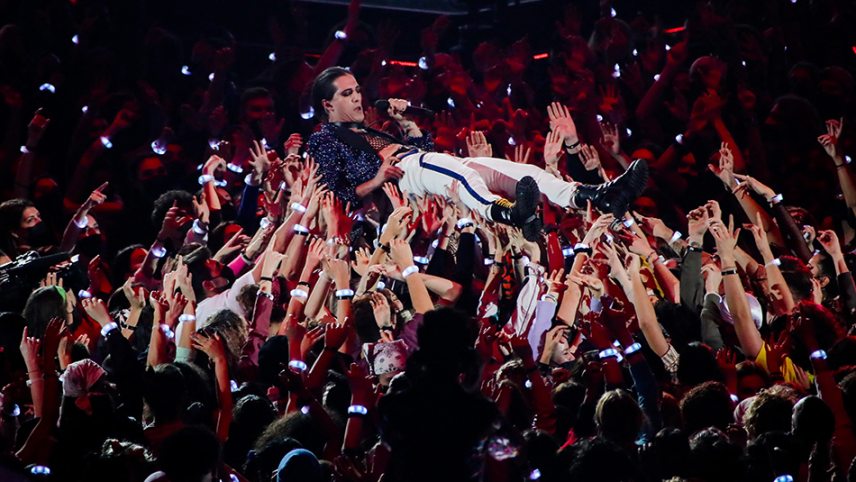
x=398, y=108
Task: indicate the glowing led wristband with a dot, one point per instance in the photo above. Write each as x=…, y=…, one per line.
x=632, y=349
x=199, y=228
x=205, y=179
x=298, y=207
x=298, y=365
x=84, y=294
x=186, y=318
x=81, y=223
x=734, y=398
x=158, y=251
x=301, y=229
x=24, y=150
x=358, y=410
x=167, y=331
x=108, y=328
x=409, y=271
x=629, y=222
x=675, y=236
x=609, y=352
x=421, y=259
x=105, y=141
x=818, y=355
x=775, y=199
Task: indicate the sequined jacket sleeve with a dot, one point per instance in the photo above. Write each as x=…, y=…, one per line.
x=342, y=167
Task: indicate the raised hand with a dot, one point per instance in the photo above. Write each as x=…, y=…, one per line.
x=36, y=128
x=724, y=170
x=829, y=141
x=755, y=185
x=561, y=120
x=829, y=240
x=521, y=154
x=552, y=150
x=394, y=195
x=477, y=145
x=380, y=308
x=336, y=334
x=396, y=224
x=589, y=157
x=212, y=345
x=654, y=226
x=95, y=198
x=97, y=310
x=401, y=253
x=697, y=223
x=293, y=144
x=30, y=351
x=610, y=138
x=237, y=242
x=259, y=160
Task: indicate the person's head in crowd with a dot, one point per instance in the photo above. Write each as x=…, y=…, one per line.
x=618, y=417
x=707, y=405
x=256, y=104
x=191, y=454
x=698, y=365
x=751, y=379
x=183, y=200
x=601, y=459
x=126, y=262
x=150, y=176
x=47, y=303
x=714, y=457
x=336, y=96
x=299, y=464
x=210, y=276
x=165, y=393
x=21, y=226
x=768, y=412
x=812, y=421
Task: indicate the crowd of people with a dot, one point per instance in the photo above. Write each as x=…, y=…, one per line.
x=200, y=282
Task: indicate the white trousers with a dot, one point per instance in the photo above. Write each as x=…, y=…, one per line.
x=481, y=180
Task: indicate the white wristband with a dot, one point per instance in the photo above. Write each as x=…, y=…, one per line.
x=199, y=228
x=298, y=365
x=299, y=228
x=157, y=250
x=775, y=262
x=299, y=293
x=463, y=222
x=421, y=259
x=345, y=293
x=205, y=179
x=167, y=331
x=298, y=207
x=632, y=348
x=775, y=199
x=357, y=410
x=675, y=236
x=108, y=328
x=406, y=272
x=186, y=318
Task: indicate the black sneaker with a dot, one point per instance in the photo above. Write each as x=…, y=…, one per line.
x=615, y=196
x=523, y=212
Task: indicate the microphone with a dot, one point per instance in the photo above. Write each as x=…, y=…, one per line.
x=383, y=105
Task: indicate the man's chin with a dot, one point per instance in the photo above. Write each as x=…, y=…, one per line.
x=359, y=116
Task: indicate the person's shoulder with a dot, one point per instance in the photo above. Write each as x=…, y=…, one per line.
x=325, y=132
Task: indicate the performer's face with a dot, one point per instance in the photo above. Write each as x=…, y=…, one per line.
x=347, y=103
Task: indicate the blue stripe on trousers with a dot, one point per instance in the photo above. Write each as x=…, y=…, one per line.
x=454, y=175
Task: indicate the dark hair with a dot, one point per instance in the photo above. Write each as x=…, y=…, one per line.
x=165, y=392
x=773, y=454
x=323, y=88
x=11, y=212
x=812, y=420
x=707, y=405
x=252, y=414
x=122, y=263
x=618, y=417
x=189, y=454
x=182, y=199
x=364, y=320
x=252, y=93
x=43, y=304
x=698, y=365
x=713, y=457
x=602, y=460
x=797, y=276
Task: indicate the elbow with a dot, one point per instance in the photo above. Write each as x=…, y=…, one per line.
x=452, y=294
